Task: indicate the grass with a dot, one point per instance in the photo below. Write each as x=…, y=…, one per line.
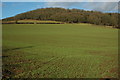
x=59, y=51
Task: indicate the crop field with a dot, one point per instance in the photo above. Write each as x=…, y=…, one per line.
x=32, y=22
x=59, y=51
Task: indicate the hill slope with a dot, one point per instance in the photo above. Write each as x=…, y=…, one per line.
x=69, y=16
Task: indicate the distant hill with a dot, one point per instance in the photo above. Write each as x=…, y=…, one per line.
x=68, y=16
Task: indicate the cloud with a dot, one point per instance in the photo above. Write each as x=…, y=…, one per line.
x=81, y=0
x=107, y=6
x=1, y=4
x=60, y=0
x=22, y=0
x=97, y=6
x=60, y=4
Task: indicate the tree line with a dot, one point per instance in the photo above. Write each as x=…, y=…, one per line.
x=69, y=16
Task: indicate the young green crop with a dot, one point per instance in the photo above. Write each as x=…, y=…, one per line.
x=59, y=51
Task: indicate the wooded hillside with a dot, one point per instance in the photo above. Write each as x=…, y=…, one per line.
x=69, y=16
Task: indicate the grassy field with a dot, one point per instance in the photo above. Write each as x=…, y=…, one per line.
x=59, y=51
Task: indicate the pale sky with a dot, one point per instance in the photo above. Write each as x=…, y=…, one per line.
x=60, y=0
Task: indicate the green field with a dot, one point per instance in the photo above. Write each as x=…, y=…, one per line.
x=59, y=51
